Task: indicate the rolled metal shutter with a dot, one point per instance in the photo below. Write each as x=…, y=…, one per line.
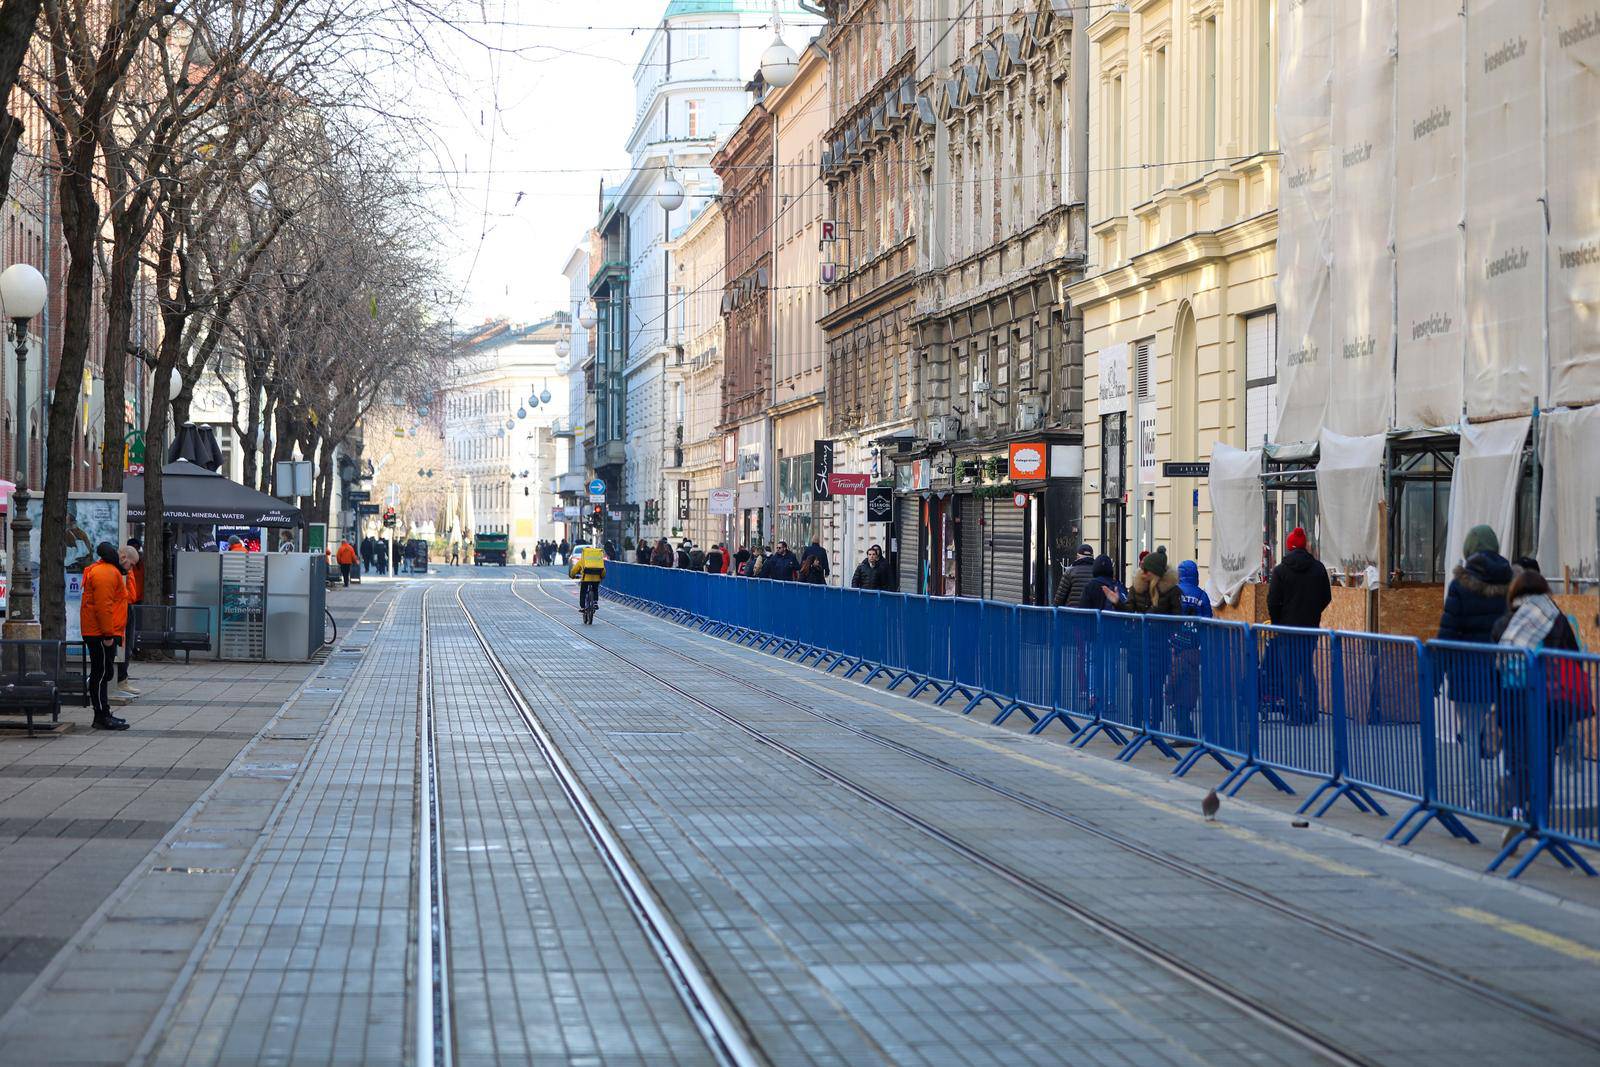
x=972, y=561
x=1006, y=533
x=910, y=518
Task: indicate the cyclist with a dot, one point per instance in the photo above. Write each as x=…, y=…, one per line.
x=589, y=567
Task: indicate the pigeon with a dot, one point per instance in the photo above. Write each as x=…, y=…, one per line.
x=1209, y=806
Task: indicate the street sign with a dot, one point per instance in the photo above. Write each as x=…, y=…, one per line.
x=357, y=496
x=1174, y=469
x=1027, y=461
x=849, y=484
x=366, y=509
x=880, y=503
x=597, y=488
x=821, y=469
x=720, y=502
x=683, y=498
x=1020, y=499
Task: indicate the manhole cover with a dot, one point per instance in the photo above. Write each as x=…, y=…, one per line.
x=194, y=870
x=323, y=689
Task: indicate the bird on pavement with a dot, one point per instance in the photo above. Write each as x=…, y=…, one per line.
x=1209, y=806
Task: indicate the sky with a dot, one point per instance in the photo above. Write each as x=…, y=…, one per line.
x=530, y=126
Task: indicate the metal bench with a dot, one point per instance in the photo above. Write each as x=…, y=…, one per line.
x=74, y=682
x=30, y=679
x=169, y=628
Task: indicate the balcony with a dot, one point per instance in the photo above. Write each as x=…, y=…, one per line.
x=563, y=428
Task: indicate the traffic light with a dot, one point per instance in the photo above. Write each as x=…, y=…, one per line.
x=388, y=517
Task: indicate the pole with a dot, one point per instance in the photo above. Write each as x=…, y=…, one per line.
x=19, y=610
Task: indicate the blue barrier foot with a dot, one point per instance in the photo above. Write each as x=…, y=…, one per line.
x=1051, y=716
x=951, y=690
x=1362, y=799
x=1145, y=737
x=1446, y=819
x=1186, y=764
x=1015, y=705
x=1093, y=729
x=1248, y=770
x=1564, y=854
x=858, y=665
x=875, y=672
x=901, y=677
x=922, y=686
x=979, y=699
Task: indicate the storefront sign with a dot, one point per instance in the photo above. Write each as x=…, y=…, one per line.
x=821, y=469
x=720, y=502
x=750, y=462
x=1027, y=461
x=849, y=484
x=1114, y=379
x=1173, y=469
x=880, y=504
x=1149, y=466
x=683, y=498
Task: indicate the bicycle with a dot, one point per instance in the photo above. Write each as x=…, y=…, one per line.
x=588, y=601
x=330, y=628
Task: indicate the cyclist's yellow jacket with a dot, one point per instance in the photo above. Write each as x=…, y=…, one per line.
x=589, y=564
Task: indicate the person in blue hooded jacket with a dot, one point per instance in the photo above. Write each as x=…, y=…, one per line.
x=1195, y=600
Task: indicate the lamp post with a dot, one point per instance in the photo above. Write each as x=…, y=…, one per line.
x=22, y=296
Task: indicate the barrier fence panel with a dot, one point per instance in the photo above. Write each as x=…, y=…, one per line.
x=1572, y=760
x=1294, y=713
x=1385, y=686
x=1076, y=634
x=892, y=658
x=966, y=619
x=918, y=639
x=1173, y=676
x=1483, y=696
x=1035, y=659
x=996, y=640
x=1116, y=668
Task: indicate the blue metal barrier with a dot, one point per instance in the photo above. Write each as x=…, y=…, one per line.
x=1483, y=731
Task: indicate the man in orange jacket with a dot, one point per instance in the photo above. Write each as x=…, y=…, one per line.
x=347, y=560
x=103, y=619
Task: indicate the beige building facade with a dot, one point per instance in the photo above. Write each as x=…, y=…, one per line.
x=696, y=375
x=1178, y=299
x=800, y=119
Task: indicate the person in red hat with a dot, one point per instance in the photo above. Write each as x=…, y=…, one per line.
x=1297, y=595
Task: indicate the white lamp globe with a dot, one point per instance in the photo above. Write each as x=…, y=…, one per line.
x=587, y=316
x=175, y=383
x=544, y=396
x=522, y=413
x=22, y=291
x=669, y=194
x=779, y=65
x=563, y=348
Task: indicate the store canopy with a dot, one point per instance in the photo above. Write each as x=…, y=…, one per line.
x=192, y=494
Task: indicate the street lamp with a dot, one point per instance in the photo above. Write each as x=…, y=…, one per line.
x=544, y=396
x=22, y=296
x=563, y=348
x=587, y=315
x=669, y=194
x=779, y=65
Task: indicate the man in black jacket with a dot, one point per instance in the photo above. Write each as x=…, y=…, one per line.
x=1075, y=580
x=781, y=566
x=873, y=572
x=1296, y=596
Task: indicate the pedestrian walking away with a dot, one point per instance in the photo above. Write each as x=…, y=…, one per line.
x=815, y=551
x=1196, y=601
x=1075, y=579
x=873, y=572
x=811, y=571
x=589, y=567
x=346, y=560
x=1104, y=592
x=565, y=548
x=1297, y=594
x=1476, y=597
x=1299, y=590
x=1154, y=590
x=103, y=619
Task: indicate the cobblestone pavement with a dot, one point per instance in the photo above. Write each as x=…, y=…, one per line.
x=868, y=907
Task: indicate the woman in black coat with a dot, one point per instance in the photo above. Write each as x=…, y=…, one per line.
x=1477, y=594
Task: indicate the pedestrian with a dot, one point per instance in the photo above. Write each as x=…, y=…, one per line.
x=815, y=551
x=716, y=561
x=1477, y=594
x=781, y=566
x=662, y=556
x=455, y=553
x=697, y=557
x=1155, y=588
x=132, y=564
x=609, y=547
x=873, y=572
x=1075, y=579
x=1537, y=623
x=756, y=563
x=103, y=619
x=741, y=559
x=565, y=550
x=812, y=571
x=1297, y=594
x=1104, y=592
x=642, y=553
x=1196, y=601
x=346, y=560
x=683, y=554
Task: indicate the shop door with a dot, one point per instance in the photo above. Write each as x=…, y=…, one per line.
x=912, y=543
x=1007, y=543
x=969, y=548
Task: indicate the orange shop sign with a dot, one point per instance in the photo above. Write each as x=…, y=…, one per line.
x=1027, y=461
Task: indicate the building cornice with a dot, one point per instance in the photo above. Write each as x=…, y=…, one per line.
x=1187, y=252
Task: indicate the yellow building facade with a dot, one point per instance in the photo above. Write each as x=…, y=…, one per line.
x=1178, y=297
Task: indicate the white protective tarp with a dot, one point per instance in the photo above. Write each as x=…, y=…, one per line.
x=1305, y=196
x=1505, y=232
x=1428, y=210
x=1237, y=519
x=1349, y=488
x=1361, y=397
x=1572, y=72
x=1483, y=489
x=1569, y=450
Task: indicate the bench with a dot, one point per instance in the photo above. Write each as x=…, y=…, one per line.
x=30, y=679
x=74, y=682
x=169, y=628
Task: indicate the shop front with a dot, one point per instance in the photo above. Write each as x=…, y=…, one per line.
x=795, y=433
x=751, y=527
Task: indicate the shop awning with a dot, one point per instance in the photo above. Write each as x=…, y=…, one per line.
x=192, y=494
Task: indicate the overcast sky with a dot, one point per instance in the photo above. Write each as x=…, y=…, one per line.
x=531, y=128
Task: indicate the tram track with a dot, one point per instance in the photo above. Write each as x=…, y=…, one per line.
x=434, y=1047
x=724, y=1032
x=1109, y=928
x=1499, y=998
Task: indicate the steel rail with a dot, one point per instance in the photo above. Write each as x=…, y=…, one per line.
x=1107, y=927
x=1532, y=1011
x=434, y=1046
x=718, y=1022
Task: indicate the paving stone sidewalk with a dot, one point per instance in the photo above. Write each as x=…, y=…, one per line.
x=80, y=814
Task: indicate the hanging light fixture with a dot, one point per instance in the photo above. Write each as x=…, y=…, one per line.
x=544, y=396
x=522, y=413
x=669, y=194
x=587, y=315
x=563, y=348
x=779, y=65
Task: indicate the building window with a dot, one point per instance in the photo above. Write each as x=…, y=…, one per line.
x=1208, y=88
x=1158, y=129
x=1114, y=129
x=693, y=109
x=1261, y=378
x=1266, y=74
